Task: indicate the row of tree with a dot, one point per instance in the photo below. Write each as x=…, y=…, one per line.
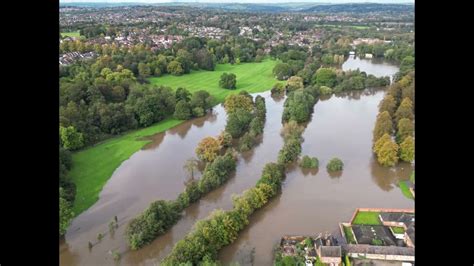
x=393, y=135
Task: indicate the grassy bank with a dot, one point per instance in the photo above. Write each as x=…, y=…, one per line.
x=252, y=77
x=405, y=189
x=93, y=166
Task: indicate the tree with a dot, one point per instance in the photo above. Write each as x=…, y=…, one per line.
x=238, y=122
x=309, y=162
x=290, y=151
x=387, y=154
x=325, y=77
x=144, y=70
x=294, y=83
x=405, y=129
x=201, y=99
x=65, y=213
x=278, y=89
x=228, y=81
x=388, y=104
x=183, y=110
x=282, y=71
x=204, y=59
x=407, y=149
x=182, y=94
x=335, y=164
x=208, y=149
x=175, y=68
x=383, y=125
x=234, y=102
x=405, y=110
x=190, y=166
x=291, y=130
x=70, y=138
x=298, y=106
x=225, y=139
x=246, y=142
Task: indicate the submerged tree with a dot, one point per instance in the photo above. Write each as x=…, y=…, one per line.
x=407, y=149
x=190, y=166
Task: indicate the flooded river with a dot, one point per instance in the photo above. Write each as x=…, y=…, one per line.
x=310, y=202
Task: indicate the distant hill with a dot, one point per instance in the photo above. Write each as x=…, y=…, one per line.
x=270, y=7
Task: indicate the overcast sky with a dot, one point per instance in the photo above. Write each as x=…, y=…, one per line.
x=243, y=1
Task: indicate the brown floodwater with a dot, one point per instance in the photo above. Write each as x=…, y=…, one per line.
x=310, y=202
x=316, y=201
x=156, y=172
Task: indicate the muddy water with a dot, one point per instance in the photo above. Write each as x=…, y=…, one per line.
x=316, y=201
x=156, y=172
x=376, y=67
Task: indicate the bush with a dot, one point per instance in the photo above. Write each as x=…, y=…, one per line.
x=154, y=221
x=309, y=162
x=256, y=126
x=290, y=151
x=278, y=89
x=225, y=139
x=198, y=112
x=324, y=90
x=246, y=142
x=182, y=110
x=291, y=130
x=335, y=165
x=207, y=149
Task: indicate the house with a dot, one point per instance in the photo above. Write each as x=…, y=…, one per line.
x=368, y=55
x=328, y=250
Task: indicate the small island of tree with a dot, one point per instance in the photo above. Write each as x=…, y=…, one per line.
x=335, y=164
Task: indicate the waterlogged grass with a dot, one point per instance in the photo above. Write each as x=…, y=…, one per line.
x=367, y=218
x=405, y=189
x=93, y=166
x=252, y=77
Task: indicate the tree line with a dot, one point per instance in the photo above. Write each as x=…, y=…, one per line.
x=393, y=135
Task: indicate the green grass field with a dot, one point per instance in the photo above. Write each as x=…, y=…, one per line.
x=405, y=189
x=93, y=166
x=71, y=34
x=349, y=235
x=252, y=77
x=398, y=230
x=367, y=218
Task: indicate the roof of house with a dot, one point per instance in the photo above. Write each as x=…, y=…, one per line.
x=331, y=251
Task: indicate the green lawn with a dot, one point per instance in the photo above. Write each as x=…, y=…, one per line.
x=252, y=77
x=405, y=189
x=71, y=34
x=349, y=235
x=367, y=218
x=93, y=166
x=398, y=230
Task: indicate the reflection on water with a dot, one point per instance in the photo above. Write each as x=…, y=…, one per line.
x=376, y=67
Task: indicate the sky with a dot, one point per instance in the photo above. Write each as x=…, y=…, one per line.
x=242, y=1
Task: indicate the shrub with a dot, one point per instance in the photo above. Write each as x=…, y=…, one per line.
x=335, y=164
x=246, y=142
x=324, y=90
x=278, y=89
x=228, y=81
x=238, y=122
x=183, y=110
x=290, y=151
x=309, y=162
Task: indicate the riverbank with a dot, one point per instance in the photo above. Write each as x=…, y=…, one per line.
x=93, y=166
